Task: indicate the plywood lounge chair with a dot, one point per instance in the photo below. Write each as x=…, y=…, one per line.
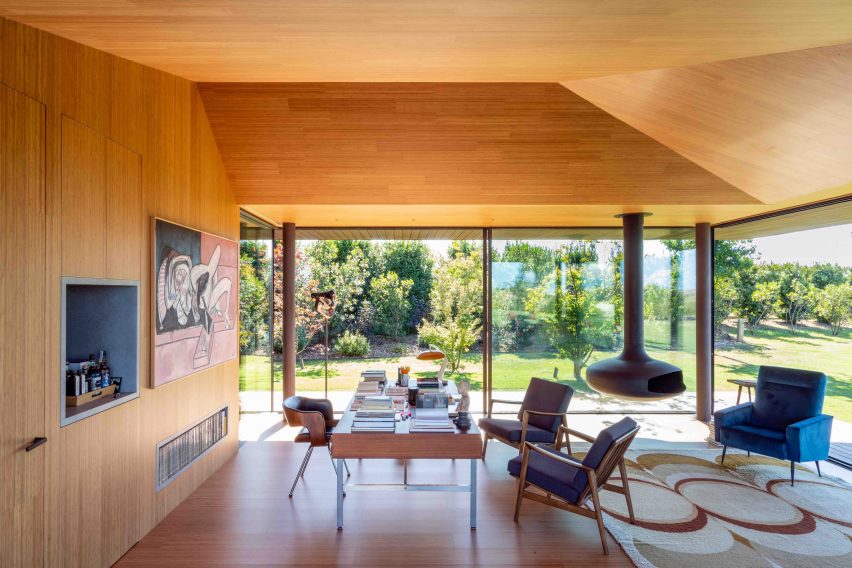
x=542, y=412
x=569, y=483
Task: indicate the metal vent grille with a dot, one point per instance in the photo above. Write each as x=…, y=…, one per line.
x=179, y=452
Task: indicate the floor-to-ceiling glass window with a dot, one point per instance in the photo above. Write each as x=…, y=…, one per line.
x=256, y=316
x=783, y=296
x=557, y=307
x=398, y=291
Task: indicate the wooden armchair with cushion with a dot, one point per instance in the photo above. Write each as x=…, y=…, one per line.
x=542, y=412
x=316, y=417
x=569, y=483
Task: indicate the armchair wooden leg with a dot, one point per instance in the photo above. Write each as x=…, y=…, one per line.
x=819, y=473
x=623, y=468
x=792, y=473
x=599, y=517
x=724, y=449
x=484, y=445
x=522, y=483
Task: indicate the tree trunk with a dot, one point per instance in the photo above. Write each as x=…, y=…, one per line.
x=675, y=302
x=578, y=367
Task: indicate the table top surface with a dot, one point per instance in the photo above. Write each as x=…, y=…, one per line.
x=403, y=444
x=743, y=382
x=344, y=426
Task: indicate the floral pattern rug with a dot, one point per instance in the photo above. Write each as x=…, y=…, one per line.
x=692, y=511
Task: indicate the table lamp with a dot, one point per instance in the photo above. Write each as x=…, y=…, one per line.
x=435, y=354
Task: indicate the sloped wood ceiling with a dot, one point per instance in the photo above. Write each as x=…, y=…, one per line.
x=442, y=143
x=434, y=40
x=777, y=127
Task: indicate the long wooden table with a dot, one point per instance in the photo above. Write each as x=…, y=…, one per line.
x=404, y=445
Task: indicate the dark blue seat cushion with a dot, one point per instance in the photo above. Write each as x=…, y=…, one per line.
x=786, y=396
x=549, y=474
x=546, y=396
x=602, y=444
x=756, y=439
x=510, y=430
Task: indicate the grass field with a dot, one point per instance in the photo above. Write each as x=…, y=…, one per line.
x=809, y=348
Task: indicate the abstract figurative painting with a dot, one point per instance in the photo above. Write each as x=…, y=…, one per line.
x=195, y=286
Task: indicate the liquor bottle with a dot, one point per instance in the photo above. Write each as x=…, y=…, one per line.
x=70, y=384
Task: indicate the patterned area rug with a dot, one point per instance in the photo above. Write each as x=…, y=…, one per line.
x=691, y=511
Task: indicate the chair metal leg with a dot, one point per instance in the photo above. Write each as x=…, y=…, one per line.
x=334, y=466
x=819, y=473
x=724, y=449
x=792, y=473
x=301, y=472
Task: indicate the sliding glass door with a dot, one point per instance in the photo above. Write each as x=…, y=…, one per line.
x=557, y=306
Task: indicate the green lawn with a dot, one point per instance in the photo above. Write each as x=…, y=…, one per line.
x=809, y=348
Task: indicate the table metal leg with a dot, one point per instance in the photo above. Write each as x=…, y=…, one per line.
x=339, y=494
x=473, y=494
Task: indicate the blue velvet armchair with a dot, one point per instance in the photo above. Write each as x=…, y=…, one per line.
x=785, y=421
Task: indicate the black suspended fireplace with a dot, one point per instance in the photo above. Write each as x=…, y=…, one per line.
x=633, y=374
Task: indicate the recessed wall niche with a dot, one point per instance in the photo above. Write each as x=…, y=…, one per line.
x=99, y=315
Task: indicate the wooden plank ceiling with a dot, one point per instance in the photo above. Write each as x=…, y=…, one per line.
x=777, y=126
x=446, y=113
x=437, y=40
x=442, y=144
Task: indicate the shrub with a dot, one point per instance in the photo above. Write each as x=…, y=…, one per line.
x=451, y=337
x=352, y=344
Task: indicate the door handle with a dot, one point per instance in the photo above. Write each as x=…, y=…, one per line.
x=35, y=443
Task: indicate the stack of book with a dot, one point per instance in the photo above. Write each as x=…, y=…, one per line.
x=399, y=395
x=367, y=388
x=428, y=384
x=431, y=420
x=375, y=414
x=378, y=375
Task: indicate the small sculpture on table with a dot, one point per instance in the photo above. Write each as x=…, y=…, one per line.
x=463, y=407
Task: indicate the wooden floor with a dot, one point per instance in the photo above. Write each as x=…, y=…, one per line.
x=243, y=517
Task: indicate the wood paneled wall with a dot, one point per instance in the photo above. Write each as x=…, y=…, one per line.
x=123, y=143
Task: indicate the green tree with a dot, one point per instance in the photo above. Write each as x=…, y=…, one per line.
x=254, y=307
x=616, y=293
x=797, y=293
x=724, y=300
x=576, y=323
x=834, y=305
x=536, y=261
x=823, y=275
x=732, y=257
x=411, y=260
x=766, y=299
x=390, y=303
x=456, y=309
x=676, y=249
x=657, y=301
